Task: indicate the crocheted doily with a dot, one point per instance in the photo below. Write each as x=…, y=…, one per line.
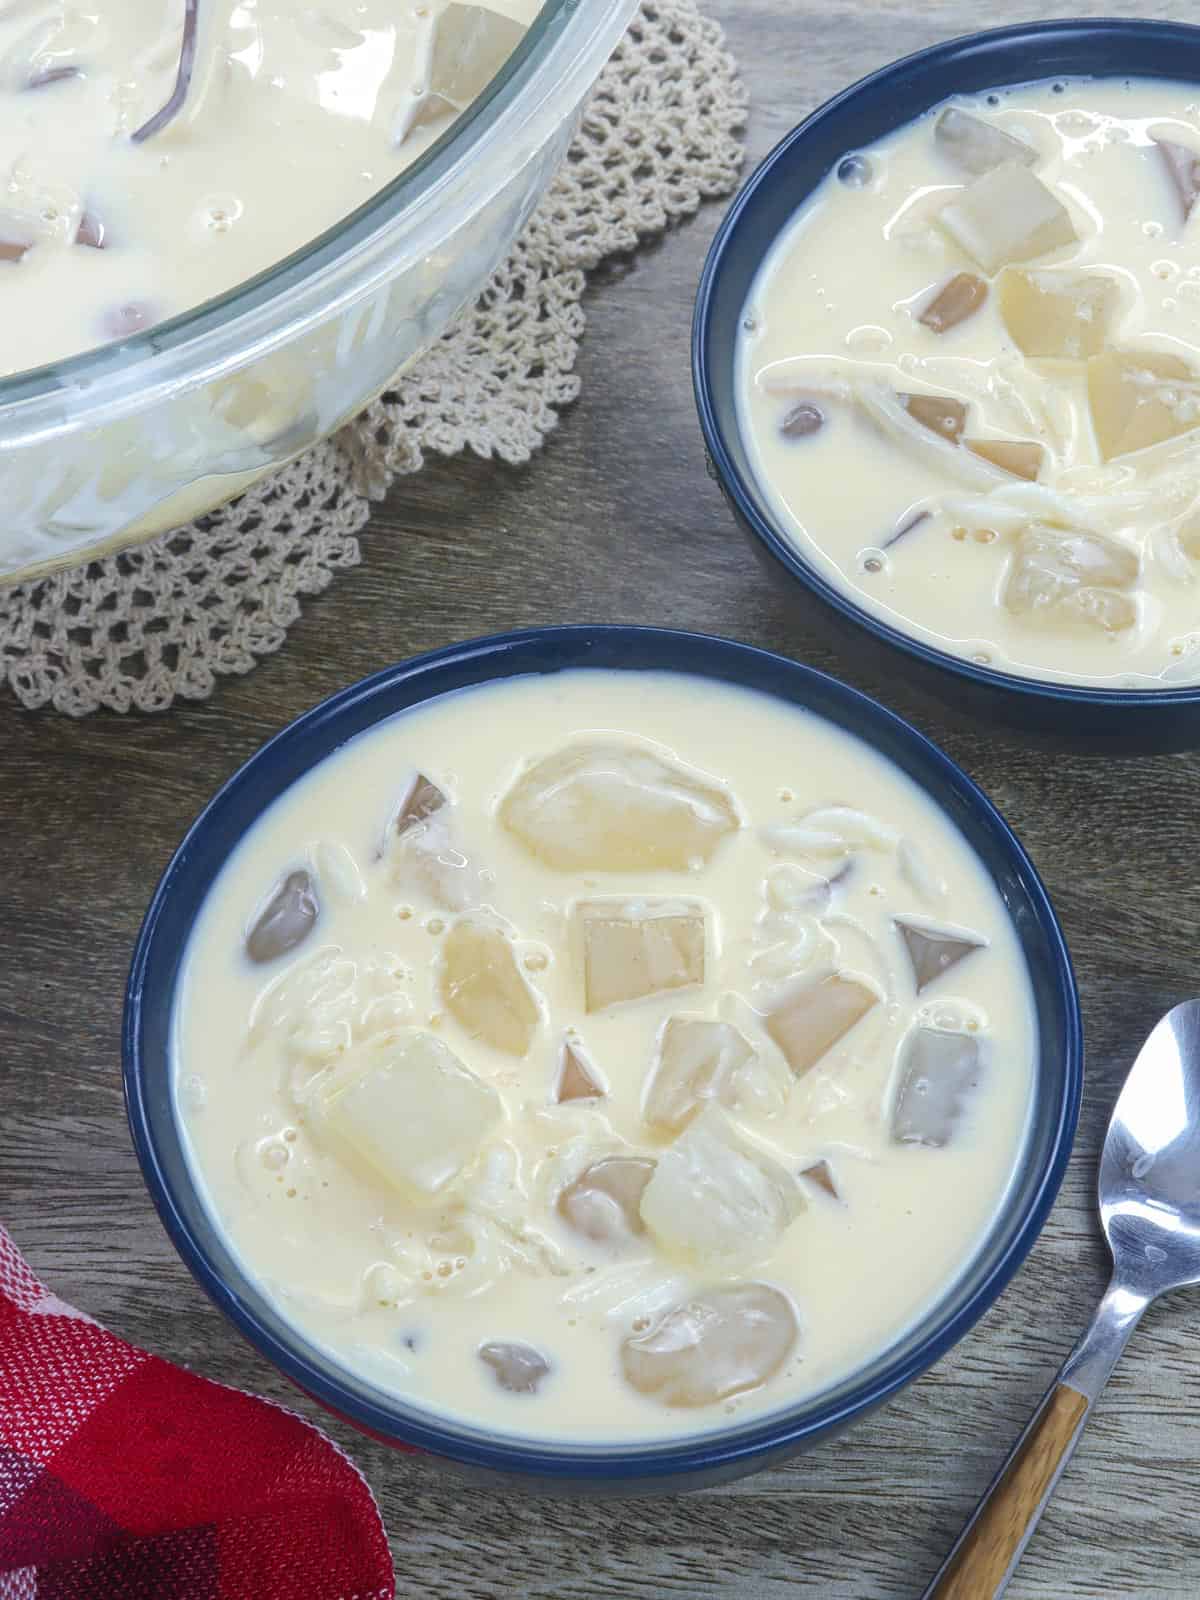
x=139, y=629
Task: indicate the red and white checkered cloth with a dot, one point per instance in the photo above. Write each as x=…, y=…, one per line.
x=125, y=1478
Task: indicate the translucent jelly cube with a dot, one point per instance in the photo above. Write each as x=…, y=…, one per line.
x=1066, y=573
x=934, y=951
x=698, y=1060
x=938, y=1072
x=957, y=299
x=470, y=45
x=286, y=920
x=403, y=1108
x=519, y=1368
x=816, y=1015
x=714, y=1195
x=1063, y=316
x=577, y=1078
x=1022, y=457
x=616, y=808
x=1182, y=168
x=977, y=146
x=603, y=1203
x=1138, y=399
x=1007, y=215
x=639, y=948
x=1109, y=609
x=721, y=1342
x=483, y=988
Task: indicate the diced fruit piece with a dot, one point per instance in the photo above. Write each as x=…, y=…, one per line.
x=639, y=948
x=1182, y=167
x=1068, y=572
x=1007, y=215
x=405, y=1108
x=1139, y=399
x=698, y=1060
x=719, y=1343
x=288, y=917
x=484, y=990
x=957, y=299
x=1022, y=457
x=802, y=421
x=929, y=432
x=933, y=951
x=1062, y=316
x=426, y=853
x=940, y=413
x=577, y=1080
x=713, y=1194
x=977, y=146
x=519, y=1368
x=471, y=44
x=604, y=1202
x=938, y=1071
x=91, y=231
x=616, y=808
x=816, y=1015
x=821, y=1174
x=419, y=804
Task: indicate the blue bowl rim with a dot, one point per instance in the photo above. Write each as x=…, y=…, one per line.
x=780, y=1431
x=1020, y=36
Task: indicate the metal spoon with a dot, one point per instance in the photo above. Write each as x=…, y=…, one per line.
x=1150, y=1209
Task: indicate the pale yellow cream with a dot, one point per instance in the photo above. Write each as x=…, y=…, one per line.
x=296, y=115
x=1090, y=571
x=405, y=1288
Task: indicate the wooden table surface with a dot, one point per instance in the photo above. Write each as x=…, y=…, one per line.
x=616, y=521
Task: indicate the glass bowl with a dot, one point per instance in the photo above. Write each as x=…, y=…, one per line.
x=1114, y=721
x=609, y=1468
x=125, y=441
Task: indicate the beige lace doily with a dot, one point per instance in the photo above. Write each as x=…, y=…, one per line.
x=137, y=630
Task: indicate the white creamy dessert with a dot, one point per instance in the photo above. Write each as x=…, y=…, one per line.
x=603, y=1056
x=155, y=155
x=969, y=378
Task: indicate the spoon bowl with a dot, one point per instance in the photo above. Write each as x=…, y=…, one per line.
x=1150, y=1169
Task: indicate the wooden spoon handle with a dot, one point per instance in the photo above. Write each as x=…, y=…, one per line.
x=989, y=1547
x=982, y=1561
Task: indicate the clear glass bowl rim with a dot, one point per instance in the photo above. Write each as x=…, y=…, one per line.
x=550, y=70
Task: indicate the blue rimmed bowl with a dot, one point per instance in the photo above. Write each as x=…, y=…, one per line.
x=689, y=1463
x=1120, y=722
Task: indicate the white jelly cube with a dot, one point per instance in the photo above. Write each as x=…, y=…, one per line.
x=1007, y=215
x=632, y=949
x=616, y=808
x=404, y=1109
x=715, y=1195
